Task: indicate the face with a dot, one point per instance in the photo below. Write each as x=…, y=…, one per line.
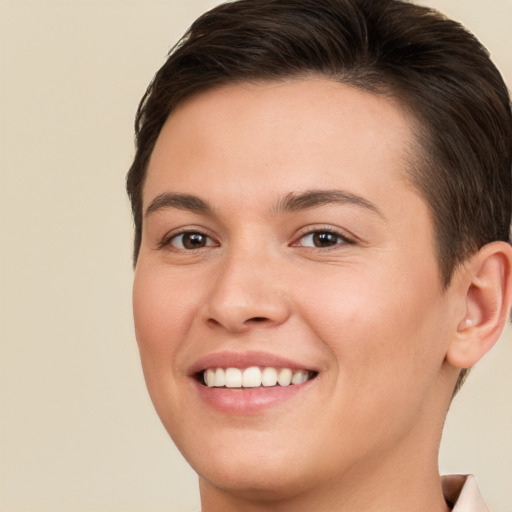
x=281, y=236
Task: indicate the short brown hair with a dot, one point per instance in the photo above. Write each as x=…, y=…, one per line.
x=432, y=65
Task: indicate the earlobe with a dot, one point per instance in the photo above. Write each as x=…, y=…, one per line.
x=487, y=280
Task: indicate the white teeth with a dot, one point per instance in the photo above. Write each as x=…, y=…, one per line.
x=269, y=377
x=220, y=378
x=299, y=377
x=285, y=377
x=233, y=378
x=209, y=377
x=253, y=377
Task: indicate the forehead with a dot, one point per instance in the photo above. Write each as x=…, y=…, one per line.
x=295, y=134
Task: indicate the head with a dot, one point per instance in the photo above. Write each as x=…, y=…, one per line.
x=428, y=70
x=432, y=66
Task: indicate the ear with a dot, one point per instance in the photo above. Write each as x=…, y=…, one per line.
x=487, y=283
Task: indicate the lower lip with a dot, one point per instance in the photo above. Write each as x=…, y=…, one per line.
x=248, y=401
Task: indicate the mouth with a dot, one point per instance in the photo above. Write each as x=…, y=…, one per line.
x=253, y=377
x=251, y=382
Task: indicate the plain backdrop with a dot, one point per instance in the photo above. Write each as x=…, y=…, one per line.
x=78, y=432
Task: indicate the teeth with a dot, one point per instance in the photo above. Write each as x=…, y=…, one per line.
x=285, y=377
x=299, y=377
x=269, y=377
x=220, y=378
x=233, y=378
x=253, y=377
x=209, y=377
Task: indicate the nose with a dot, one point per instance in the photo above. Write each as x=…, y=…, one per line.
x=246, y=293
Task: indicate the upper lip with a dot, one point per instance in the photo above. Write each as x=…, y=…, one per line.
x=245, y=360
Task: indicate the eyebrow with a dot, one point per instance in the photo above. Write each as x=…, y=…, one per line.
x=293, y=202
x=180, y=201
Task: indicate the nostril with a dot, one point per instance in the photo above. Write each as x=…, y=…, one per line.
x=212, y=322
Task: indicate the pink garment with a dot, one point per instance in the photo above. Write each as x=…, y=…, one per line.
x=463, y=492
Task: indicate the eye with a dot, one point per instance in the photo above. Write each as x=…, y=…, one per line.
x=321, y=239
x=190, y=240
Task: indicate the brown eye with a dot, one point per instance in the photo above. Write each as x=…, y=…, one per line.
x=191, y=240
x=321, y=239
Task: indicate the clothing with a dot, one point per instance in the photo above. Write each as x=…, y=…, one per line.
x=462, y=491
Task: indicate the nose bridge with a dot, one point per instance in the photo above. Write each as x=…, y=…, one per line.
x=247, y=290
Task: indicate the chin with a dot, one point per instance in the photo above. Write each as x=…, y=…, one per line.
x=252, y=465
x=270, y=480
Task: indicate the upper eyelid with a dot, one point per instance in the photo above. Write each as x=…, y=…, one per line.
x=298, y=242
x=300, y=233
x=170, y=235
x=177, y=235
x=308, y=230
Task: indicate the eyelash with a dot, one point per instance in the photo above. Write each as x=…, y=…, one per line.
x=341, y=239
x=167, y=242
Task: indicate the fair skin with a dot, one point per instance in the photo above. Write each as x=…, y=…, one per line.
x=281, y=230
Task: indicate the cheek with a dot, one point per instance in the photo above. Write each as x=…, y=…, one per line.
x=382, y=327
x=161, y=303
x=162, y=312
x=162, y=315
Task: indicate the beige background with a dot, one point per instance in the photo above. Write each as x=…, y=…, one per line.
x=78, y=432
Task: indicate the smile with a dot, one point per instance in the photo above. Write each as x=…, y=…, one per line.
x=251, y=382
x=254, y=377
